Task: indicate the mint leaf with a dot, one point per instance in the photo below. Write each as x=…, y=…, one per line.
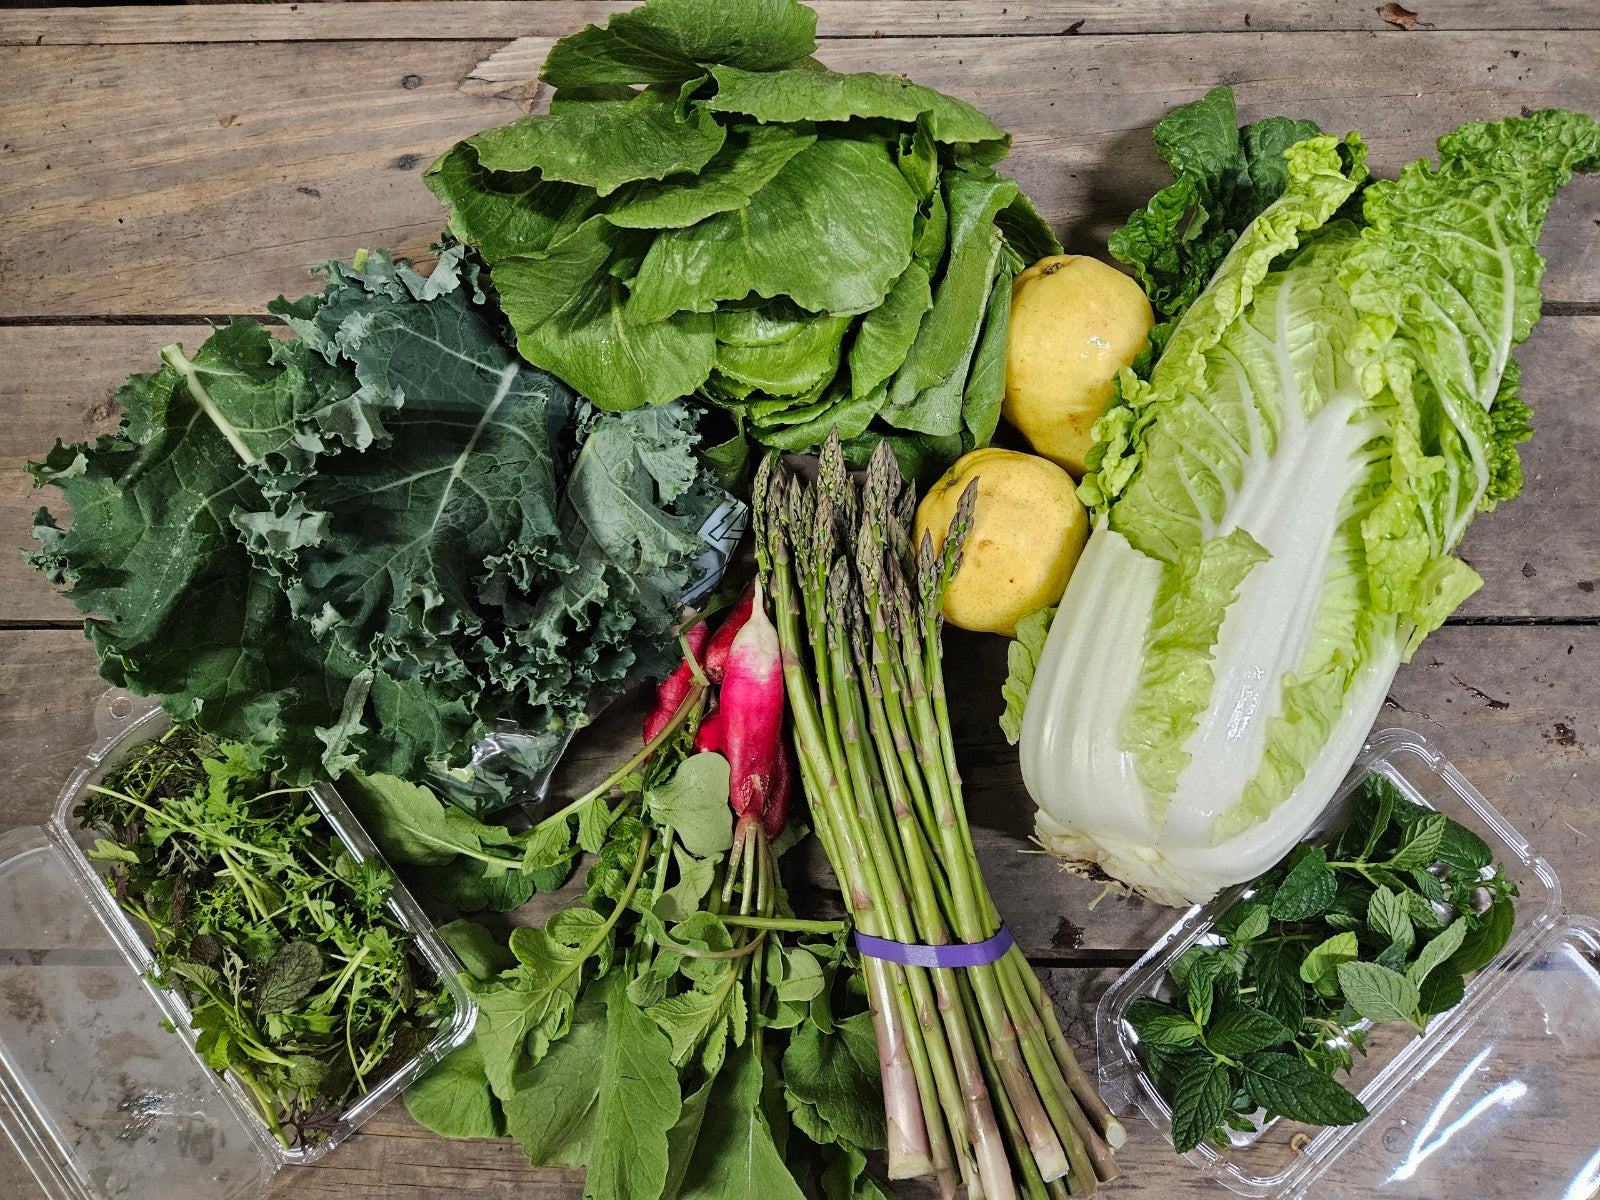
x=1200, y=984
x=1393, y=956
x=1199, y=1102
x=1378, y=993
x=1239, y=1029
x=1307, y=890
x=1442, y=990
x=1420, y=846
x=1283, y=1084
x=1486, y=938
x=1380, y=818
x=1390, y=915
x=1275, y=970
x=1419, y=905
x=1437, y=951
x=1160, y=1024
x=1325, y=958
x=1251, y=922
x=1168, y=1064
x=1462, y=848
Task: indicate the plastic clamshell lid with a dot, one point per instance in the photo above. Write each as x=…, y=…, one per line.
x=1501, y=1096
x=101, y=1100
x=101, y=1089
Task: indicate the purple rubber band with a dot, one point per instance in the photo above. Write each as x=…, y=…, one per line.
x=961, y=954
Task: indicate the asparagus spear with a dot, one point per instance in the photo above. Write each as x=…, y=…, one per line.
x=978, y=1080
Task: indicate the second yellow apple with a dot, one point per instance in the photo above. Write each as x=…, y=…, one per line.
x=1028, y=528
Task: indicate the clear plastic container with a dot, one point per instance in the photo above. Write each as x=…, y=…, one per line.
x=101, y=1089
x=1500, y=1097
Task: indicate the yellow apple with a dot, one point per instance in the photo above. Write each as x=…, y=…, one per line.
x=1028, y=528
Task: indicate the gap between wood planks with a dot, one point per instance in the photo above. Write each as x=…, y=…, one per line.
x=887, y=19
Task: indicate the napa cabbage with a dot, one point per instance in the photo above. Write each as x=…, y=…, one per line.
x=1276, y=506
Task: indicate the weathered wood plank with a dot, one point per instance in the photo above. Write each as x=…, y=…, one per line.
x=441, y=20
x=199, y=179
x=1537, y=554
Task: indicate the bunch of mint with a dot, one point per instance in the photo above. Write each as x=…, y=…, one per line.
x=1382, y=926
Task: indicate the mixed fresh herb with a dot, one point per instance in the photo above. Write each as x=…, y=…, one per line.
x=1384, y=925
x=678, y=1032
x=368, y=545
x=301, y=984
x=707, y=210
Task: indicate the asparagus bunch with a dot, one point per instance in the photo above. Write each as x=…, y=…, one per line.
x=980, y=1085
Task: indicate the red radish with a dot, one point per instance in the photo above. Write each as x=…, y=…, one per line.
x=752, y=708
x=716, y=658
x=776, y=815
x=710, y=734
x=674, y=689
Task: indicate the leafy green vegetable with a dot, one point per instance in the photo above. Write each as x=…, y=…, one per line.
x=1022, y=660
x=301, y=985
x=371, y=545
x=699, y=173
x=1225, y=176
x=1318, y=946
x=694, y=802
x=656, y=1033
x=1328, y=416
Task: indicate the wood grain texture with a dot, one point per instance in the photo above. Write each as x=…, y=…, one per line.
x=835, y=18
x=198, y=179
x=1537, y=554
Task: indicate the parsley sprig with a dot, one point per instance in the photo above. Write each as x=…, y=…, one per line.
x=1383, y=925
x=300, y=983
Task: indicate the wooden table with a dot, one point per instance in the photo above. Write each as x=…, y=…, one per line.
x=161, y=167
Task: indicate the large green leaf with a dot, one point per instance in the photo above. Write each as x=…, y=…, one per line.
x=504, y=214
x=887, y=333
x=665, y=41
x=832, y=231
x=402, y=475
x=1225, y=177
x=811, y=92
x=178, y=608
x=745, y=164
x=604, y=144
x=632, y=532
x=568, y=309
x=735, y=1154
x=801, y=364
x=927, y=391
x=390, y=551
